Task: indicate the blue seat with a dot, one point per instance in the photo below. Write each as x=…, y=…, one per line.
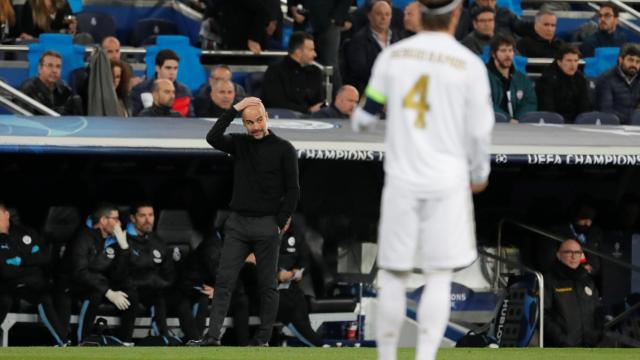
x=148, y=29
x=280, y=113
x=541, y=117
x=501, y=118
x=597, y=118
x=635, y=118
x=72, y=55
x=190, y=72
x=99, y=25
x=604, y=59
x=75, y=5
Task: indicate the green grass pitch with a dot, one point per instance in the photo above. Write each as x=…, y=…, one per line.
x=231, y=353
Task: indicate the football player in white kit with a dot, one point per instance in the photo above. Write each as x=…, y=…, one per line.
x=439, y=121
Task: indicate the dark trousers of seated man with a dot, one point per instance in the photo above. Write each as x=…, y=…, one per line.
x=293, y=310
x=156, y=303
x=36, y=292
x=244, y=235
x=90, y=303
x=192, y=310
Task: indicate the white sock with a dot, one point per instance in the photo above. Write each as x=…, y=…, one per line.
x=392, y=305
x=433, y=313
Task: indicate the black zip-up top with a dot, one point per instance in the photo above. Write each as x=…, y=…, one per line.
x=265, y=171
x=151, y=264
x=23, y=254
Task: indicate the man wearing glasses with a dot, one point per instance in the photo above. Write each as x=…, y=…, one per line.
x=572, y=316
x=608, y=34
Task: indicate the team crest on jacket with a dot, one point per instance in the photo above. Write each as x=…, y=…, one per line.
x=588, y=291
x=291, y=241
x=26, y=240
x=176, y=254
x=157, y=256
x=110, y=253
x=519, y=94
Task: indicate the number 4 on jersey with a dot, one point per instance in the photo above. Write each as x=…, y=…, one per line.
x=420, y=104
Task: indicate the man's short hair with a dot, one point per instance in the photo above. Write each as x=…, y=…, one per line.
x=297, y=40
x=369, y=6
x=613, y=7
x=542, y=12
x=629, y=49
x=434, y=22
x=164, y=55
x=139, y=204
x=478, y=10
x=102, y=210
x=49, y=53
x=567, y=49
x=220, y=66
x=500, y=39
x=3, y=205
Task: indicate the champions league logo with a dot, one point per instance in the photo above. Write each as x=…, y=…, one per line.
x=501, y=159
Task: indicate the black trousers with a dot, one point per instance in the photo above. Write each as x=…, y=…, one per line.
x=293, y=310
x=191, y=309
x=35, y=292
x=91, y=301
x=155, y=301
x=244, y=235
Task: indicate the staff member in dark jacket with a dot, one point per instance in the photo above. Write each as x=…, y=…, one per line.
x=562, y=88
x=24, y=258
x=571, y=305
x=295, y=83
x=150, y=265
x=265, y=194
x=100, y=256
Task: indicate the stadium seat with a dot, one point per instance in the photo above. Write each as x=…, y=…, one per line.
x=541, y=117
x=177, y=231
x=61, y=224
x=597, y=118
x=99, y=25
x=190, y=72
x=501, y=118
x=253, y=83
x=148, y=29
x=604, y=59
x=635, y=118
x=72, y=55
x=280, y=113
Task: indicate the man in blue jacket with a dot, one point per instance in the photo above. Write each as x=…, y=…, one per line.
x=618, y=90
x=608, y=34
x=512, y=93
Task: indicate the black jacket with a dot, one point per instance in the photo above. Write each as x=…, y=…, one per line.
x=99, y=264
x=158, y=111
x=572, y=315
x=24, y=257
x=566, y=95
x=329, y=112
x=289, y=85
x=59, y=99
x=208, y=109
x=361, y=53
x=28, y=25
x=265, y=171
x=150, y=264
x=616, y=95
x=476, y=42
x=507, y=22
x=242, y=20
x=201, y=266
x=537, y=47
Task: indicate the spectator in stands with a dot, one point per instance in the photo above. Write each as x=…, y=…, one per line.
x=412, y=19
x=167, y=62
x=45, y=16
x=511, y=91
x=24, y=262
x=293, y=311
x=360, y=18
x=245, y=25
x=562, y=88
x=221, y=99
x=507, y=23
x=218, y=72
x=543, y=43
x=346, y=100
x=111, y=46
x=618, y=90
x=366, y=44
x=48, y=89
x=121, y=78
x=295, y=83
x=151, y=268
x=572, y=315
x=163, y=94
x=8, y=28
x=608, y=34
x=100, y=256
x=483, y=29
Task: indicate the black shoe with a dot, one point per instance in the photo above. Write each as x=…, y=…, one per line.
x=256, y=342
x=205, y=341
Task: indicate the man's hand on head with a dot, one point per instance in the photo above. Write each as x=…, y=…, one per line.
x=246, y=102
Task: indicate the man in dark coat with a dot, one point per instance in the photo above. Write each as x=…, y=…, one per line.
x=346, y=101
x=608, y=34
x=562, y=88
x=618, y=90
x=543, y=43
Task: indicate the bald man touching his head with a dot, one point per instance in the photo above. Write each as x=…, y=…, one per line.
x=265, y=194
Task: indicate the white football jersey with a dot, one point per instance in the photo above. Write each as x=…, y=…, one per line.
x=439, y=112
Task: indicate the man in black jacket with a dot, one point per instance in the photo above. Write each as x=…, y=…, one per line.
x=562, y=88
x=295, y=83
x=163, y=96
x=543, y=43
x=265, y=194
x=220, y=99
x=24, y=259
x=100, y=256
x=484, y=23
x=344, y=104
x=618, y=89
x=572, y=316
x=49, y=90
